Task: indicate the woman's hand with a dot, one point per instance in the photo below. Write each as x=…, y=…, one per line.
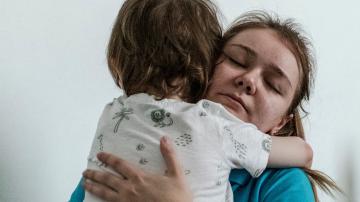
x=137, y=185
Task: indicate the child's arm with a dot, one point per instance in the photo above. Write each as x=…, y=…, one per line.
x=289, y=152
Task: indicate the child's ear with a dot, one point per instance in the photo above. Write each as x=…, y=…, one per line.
x=281, y=124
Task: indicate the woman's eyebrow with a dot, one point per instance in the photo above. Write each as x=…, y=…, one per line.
x=279, y=72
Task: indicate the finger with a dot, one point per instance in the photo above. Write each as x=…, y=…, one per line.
x=174, y=167
x=100, y=191
x=121, y=166
x=107, y=179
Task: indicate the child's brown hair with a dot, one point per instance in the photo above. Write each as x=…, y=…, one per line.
x=164, y=47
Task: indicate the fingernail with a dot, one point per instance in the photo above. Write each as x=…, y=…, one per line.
x=165, y=139
x=85, y=173
x=87, y=184
x=167, y=143
x=84, y=181
x=100, y=155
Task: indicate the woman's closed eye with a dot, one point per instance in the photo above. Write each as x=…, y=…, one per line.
x=235, y=62
x=273, y=87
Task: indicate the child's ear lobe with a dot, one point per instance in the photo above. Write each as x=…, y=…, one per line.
x=282, y=123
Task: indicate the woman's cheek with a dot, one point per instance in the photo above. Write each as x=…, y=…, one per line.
x=269, y=114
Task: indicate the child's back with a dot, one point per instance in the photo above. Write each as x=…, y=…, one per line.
x=209, y=141
x=163, y=49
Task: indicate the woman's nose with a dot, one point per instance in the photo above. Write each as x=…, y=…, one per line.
x=247, y=83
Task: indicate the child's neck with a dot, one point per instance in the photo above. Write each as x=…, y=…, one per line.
x=175, y=97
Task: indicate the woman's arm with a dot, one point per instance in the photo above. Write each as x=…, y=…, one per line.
x=290, y=152
x=138, y=185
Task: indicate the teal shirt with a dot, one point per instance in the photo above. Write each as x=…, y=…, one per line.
x=274, y=185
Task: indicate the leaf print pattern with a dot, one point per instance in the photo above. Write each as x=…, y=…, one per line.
x=123, y=114
x=100, y=138
x=219, y=168
x=143, y=161
x=266, y=144
x=202, y=114
x=258, y=172
x=240, y=148
x=140, y=147
x=205, y=105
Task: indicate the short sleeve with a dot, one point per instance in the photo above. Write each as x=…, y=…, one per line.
x=246, y=146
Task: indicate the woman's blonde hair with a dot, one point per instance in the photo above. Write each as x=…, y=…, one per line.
x=294, y=38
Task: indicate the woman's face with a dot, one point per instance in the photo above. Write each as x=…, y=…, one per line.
x=256, y=78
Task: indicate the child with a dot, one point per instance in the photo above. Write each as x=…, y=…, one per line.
x=161, y=52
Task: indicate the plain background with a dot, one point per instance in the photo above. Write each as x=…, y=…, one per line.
x=54, y=84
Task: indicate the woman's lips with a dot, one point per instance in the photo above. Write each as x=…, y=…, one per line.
x=235, y=101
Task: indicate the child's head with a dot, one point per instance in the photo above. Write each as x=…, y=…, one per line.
x=164, y=47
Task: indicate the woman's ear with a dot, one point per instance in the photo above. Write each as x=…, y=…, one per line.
x=281, y=124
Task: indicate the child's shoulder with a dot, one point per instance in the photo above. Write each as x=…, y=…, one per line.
x=116, y=101
x=123, y=99
x=143, y=101
x=218, y=110
x=221, y=114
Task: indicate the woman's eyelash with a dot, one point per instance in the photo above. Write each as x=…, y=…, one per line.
x=235, y=62
x=232, y=60
x=273, y=87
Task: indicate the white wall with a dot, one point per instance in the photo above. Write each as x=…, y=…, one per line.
x=54, y=83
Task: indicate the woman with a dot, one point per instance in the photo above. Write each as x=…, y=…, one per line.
x=269, y=63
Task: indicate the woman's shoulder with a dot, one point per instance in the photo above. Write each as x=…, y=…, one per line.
x=285, y=174
x=286, y=184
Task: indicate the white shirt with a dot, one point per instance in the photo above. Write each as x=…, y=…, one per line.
x=208, y=139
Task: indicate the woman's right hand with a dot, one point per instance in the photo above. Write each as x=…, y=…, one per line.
x=138, y=185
